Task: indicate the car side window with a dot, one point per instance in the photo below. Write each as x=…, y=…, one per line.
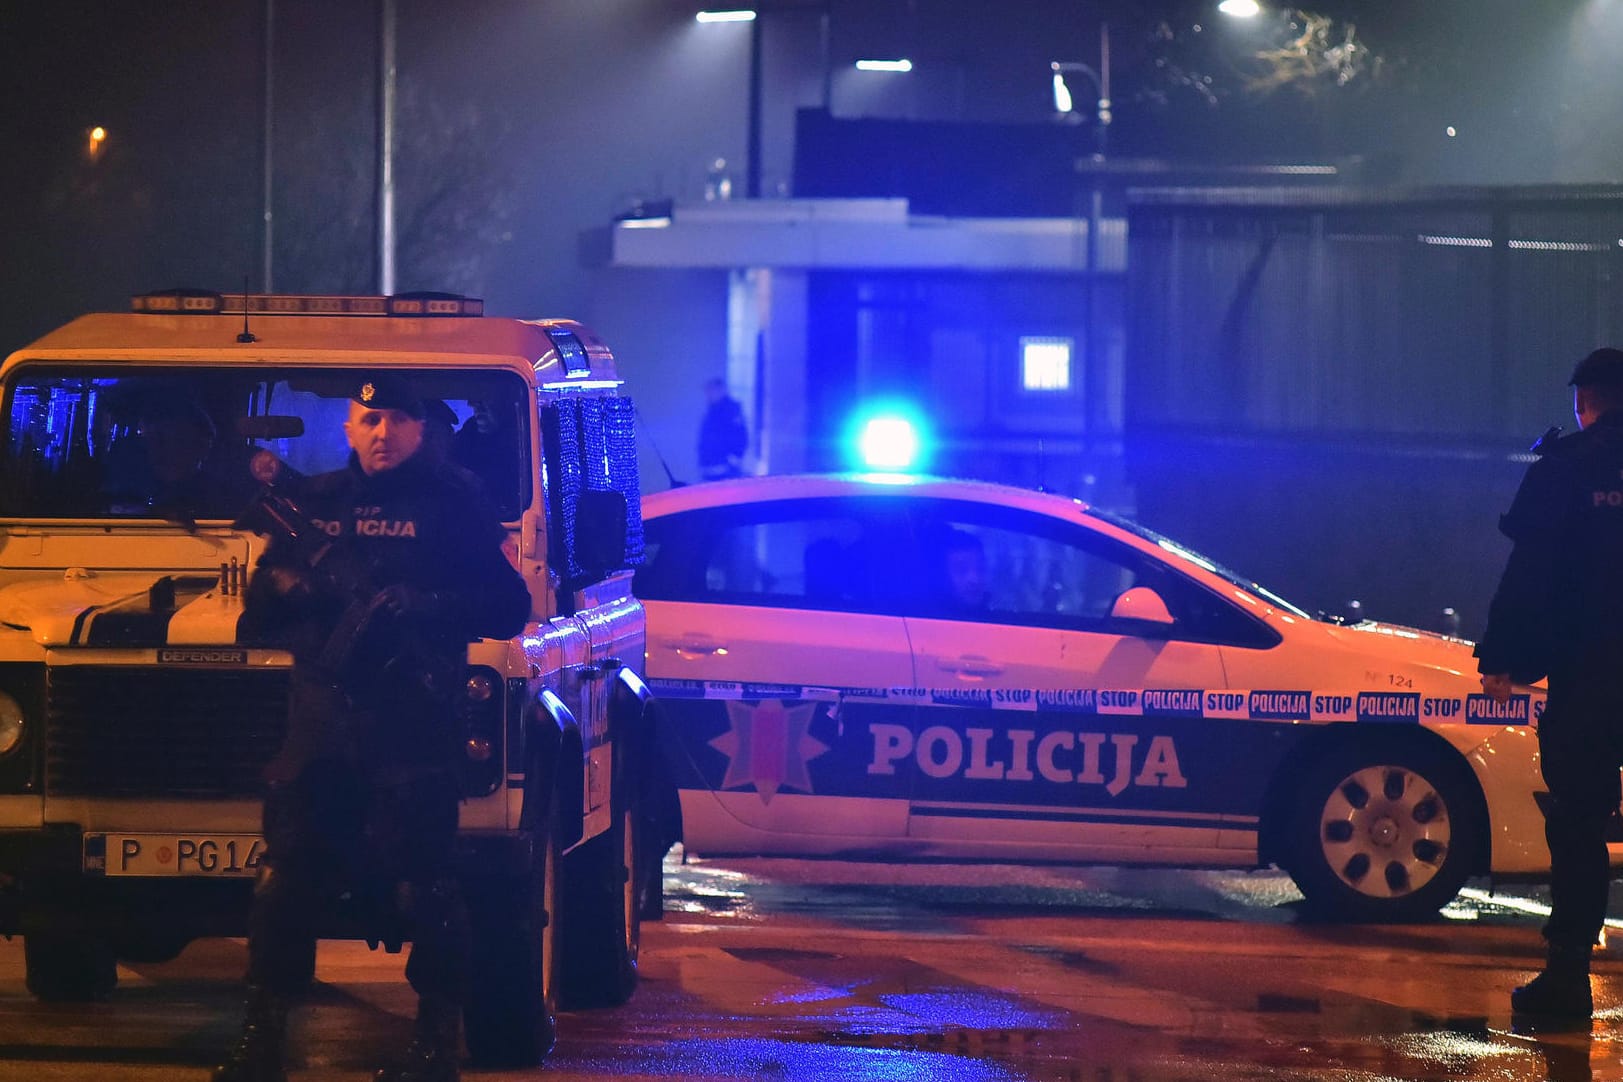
x=993, y=564
x=794, y=554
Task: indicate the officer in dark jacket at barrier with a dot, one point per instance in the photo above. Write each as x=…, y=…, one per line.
x=723, y=436
x=1558, y=612
x=363, y=797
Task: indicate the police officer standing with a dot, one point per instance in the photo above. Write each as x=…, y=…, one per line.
x=1558, y=613
x=723, y=436
x=400, y=567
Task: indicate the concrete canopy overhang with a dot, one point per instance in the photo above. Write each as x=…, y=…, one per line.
x=857, y=234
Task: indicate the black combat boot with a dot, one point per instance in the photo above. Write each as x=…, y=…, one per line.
x=1561, y=992
x=435, y=1051
x=258, y=1054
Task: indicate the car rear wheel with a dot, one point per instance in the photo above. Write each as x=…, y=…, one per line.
x=1384, y=834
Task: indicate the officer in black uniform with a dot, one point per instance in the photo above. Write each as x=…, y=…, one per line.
x=723, y=436
x=1558, y=612
x=363, y=797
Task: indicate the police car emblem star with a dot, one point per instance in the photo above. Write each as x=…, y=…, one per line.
x=768, y=746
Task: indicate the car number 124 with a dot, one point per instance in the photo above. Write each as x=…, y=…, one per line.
x=217, y=855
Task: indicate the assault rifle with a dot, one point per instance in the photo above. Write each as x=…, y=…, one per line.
x=373, y=653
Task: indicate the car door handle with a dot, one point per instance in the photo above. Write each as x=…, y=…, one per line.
x=698, y=647
x=970, y=665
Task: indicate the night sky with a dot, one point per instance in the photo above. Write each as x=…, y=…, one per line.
x=524, y=123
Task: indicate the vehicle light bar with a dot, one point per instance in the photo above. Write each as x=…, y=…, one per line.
x=202, y=302
x=570, y=351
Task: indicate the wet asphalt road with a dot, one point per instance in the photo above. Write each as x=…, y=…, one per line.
x=785, y=970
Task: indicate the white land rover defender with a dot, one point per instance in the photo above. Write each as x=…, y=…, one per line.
x=133, y=722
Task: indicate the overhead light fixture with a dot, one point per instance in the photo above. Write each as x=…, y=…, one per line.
x=741, y=15
x=1062, y=94
x=884, y=65
x=1240, y=9
x=646, y=214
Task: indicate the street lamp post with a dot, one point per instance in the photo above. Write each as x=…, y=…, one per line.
x=752, y=146
x=1101, y=147
x=752, y=137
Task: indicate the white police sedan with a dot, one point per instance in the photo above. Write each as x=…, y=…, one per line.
x=913, y=668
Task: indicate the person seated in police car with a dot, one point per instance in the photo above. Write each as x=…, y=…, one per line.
x=363, y=796
x=488, y=445
x=963, y=571
x=439, y=430
x=161, y=463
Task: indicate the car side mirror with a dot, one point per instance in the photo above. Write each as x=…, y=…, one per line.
x=600, y=531
x=1143, y=605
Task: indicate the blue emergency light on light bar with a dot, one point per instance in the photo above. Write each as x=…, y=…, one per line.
x=889, y=442
x=205, y=302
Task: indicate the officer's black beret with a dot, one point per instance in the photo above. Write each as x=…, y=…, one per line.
x=388, y=391
x=1602, y=368
x=435, y=409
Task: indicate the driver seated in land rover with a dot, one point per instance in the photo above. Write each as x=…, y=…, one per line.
x=162, y=461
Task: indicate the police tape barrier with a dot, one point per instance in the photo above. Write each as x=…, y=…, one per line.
x=1377, y=707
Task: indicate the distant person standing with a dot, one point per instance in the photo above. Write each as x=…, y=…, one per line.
x=723, y=435
x=1558, y=613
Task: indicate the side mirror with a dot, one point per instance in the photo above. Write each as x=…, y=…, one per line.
x=1143, y=605
x=600, y=532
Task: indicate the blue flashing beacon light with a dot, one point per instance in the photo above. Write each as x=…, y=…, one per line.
x=889, y=442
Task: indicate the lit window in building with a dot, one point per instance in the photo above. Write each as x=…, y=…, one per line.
x=1045, y=364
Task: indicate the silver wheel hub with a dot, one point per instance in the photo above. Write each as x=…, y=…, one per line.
x=1385, y=831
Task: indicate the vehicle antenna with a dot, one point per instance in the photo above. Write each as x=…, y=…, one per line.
x=642, y=426
x=246, y=336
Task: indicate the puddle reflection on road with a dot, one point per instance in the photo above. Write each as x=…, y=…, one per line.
x=765, y=1060
x=1234, y=1010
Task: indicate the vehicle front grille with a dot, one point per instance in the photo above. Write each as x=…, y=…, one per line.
x=161, y=732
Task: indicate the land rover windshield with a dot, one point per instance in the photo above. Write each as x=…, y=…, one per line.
x=195, y=442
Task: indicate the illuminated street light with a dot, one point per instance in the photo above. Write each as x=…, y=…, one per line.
x=97, y=138
x=1062, y=93
x=885, y=65
x=1240, y=9
x=752, y=149
x=752, y=146
x=1064, y=103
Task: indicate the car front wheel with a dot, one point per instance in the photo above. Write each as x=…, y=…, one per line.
x=68, y=968
x=1384, y=835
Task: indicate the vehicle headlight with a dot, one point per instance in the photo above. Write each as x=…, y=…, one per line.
x=480, y=687
x=11, y=724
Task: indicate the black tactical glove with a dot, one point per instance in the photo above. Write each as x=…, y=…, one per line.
x=290, y=583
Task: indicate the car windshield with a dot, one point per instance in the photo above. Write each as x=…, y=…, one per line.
x=1169, y=545
x=196, y=442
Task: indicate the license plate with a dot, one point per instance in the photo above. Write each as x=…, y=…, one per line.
x=218, y=856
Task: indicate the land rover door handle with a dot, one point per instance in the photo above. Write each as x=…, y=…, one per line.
x=971, y=666
x=698, y=646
